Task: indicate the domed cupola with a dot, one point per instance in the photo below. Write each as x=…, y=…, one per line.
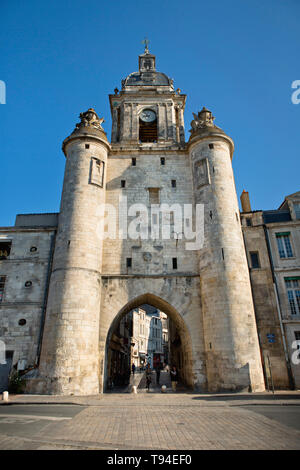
x=147, y=75
x=147, y=111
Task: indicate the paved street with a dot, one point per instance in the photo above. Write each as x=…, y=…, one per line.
x=25, y=421
x=287, y=415
x=153, y=421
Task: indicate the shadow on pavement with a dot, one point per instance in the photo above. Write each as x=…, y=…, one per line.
x=250, y=397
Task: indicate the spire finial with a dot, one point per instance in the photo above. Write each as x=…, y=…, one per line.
x=146, y=42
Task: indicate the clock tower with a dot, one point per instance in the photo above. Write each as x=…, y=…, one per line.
x=147, y=110
x=124, y=240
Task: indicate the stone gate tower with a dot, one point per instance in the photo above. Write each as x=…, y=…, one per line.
x=232, y=349
x=95, y=281
x=69, y=360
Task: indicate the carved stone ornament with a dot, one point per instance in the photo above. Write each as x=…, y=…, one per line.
x=90, y=119
x=202, y=120
x=147, y=256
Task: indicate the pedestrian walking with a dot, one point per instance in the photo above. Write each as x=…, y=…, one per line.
x=148, y=377
x=174, y=377
x=158, y=369
x=133, y=368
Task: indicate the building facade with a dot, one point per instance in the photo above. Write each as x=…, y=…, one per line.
x=72, y=277
x=272, y=241
x=149, y=338
x=119, y=353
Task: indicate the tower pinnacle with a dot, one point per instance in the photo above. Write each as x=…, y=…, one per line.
x=146, y=43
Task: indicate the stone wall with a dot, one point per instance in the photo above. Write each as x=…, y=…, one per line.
x=21, y=302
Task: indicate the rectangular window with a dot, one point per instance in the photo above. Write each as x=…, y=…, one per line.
x=293, y=291
x=153, y=195
x=284, y=245
x=2, y=284
x=123, y=183
x=211, y=146
x=133, y=161
x=87, y=146
x=248, y=222
x=174, y=261
x=162, y=161
x=128, y=262
x=173, y=183
x=5, y=249
x=254, y=259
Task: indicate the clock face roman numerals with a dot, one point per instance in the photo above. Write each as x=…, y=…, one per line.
x=147, y=115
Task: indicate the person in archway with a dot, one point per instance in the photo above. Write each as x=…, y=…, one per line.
x=133, y=368
x=148, y=377
x=174, y=377
x=158, y=369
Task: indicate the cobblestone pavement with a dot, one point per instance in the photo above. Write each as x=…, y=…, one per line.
x=161, y=421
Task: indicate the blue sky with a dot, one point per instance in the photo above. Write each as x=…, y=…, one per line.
x=236, y=57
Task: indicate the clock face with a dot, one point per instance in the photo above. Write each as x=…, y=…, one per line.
x=147, y=115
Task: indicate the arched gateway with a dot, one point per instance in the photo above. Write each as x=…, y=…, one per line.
x=125, y=237
x=191, y=372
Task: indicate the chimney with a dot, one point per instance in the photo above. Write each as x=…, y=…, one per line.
x=246, y=206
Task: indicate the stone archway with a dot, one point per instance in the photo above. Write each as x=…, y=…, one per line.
x=177, y=296
x=185, y=350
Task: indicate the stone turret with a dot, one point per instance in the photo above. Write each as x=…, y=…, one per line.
x=231, y=342
x=245, y=201
x=69, y=359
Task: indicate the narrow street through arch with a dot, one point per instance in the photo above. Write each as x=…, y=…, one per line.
x=143, y=345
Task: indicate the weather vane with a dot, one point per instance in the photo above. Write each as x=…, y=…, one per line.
x=146, y=42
